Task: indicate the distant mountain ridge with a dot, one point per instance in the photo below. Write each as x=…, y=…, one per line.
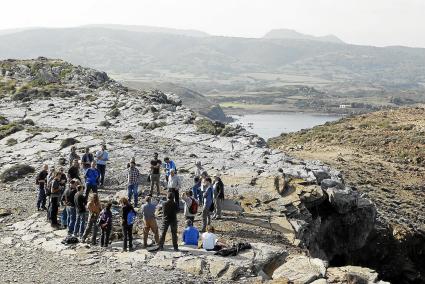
x=292, y=34
x=150, y=29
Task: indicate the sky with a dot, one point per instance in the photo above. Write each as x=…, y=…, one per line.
x=367, y=22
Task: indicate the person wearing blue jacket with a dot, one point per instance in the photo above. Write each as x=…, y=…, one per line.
x=168, y=166
x=92, y=179
x=196, y=190
x=190, y=234
x=208, y=201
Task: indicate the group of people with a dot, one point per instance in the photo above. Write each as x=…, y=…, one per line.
x=83, y=214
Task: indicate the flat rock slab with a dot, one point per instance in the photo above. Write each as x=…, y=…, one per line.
x=301, y=269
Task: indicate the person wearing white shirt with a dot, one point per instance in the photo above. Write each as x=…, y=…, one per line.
x=210, y=240
x=174, y=185
x=102, y=157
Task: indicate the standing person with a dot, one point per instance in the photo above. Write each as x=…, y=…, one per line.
x=188, y=201
x=174, y=185
x=208, y=201
x=218, y=190
x=92, y=177
x=168, y=166
x=69, y=196
x=155, y=173
x=102, y=157
x=62, y=182
x=74, y=171
x=133, y=177
x=127, y=214
x=199, y=169
x=87, y=159
x=54, y=199
x=196, y=190
x=81, y=212
x=41, y=182
x=94, y=208
x=169, y=219
x=190, y=234
x=150, y=224
x=73, y=155
x=105, y=224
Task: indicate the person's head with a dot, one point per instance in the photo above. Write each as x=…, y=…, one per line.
x=87, y=150
x=196, y=180
x=208, y=180
x=167, y=160
x=72, y=183
x=73, y=149
x=61, y=170
x=189, y=193
x=80, y=187
x=148, y=199
x=103, y=147
x=94, y=197
x=172, y=172
x=198, y=164
x=93, y=165
x=75, y=163
x=217, y=177
x=58, y=175
x=124, y=201
x=189, y=223
x=45, y=167
x=170, y=196
x=210, y=229
x=132, y=164
x=155, y=155
x=109, y=206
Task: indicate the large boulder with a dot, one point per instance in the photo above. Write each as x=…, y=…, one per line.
x=301, y=269
x=355, y=274
x=343, y=201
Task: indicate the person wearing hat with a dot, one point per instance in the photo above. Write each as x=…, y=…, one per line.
x=190, y=234
x=218, y=190
x=102, y=157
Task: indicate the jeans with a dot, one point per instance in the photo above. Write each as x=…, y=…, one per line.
x=80, y=224
x=91, y=226
x=155, y=182
x=101, y=169
x=104, y=237
x=176, y=194
x=206, y=217
x=71, y=216
x=90, y=187
x=133, y=191
x=150, y=225
x=218, y=204
x=54, y=207
x=64, y=217
x=173, y=226
x=127, y=231
x=41, y=198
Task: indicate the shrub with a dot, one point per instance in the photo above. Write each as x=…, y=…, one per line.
x=11, y=142
x=105, y=123
x=68, y=142
x=16, y=172
x=9, y=129
x=207, y=126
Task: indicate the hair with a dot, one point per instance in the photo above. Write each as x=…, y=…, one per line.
x=189, y=223
x=196, y=179
x=170, y=196
x=189, y=192
x=94, y=197
x=155, y=154
x=72, y=181
x=80, y=187
x=57, y=174
x=124, y=200
x=166, y=159
x=148, y=199
x=208, y=179
x=109, y=205
x=210, y=229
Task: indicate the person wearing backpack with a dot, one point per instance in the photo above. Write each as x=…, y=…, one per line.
x=196, y=190
x=94, y=208
x=190, y=205
x=41, y=182
x=218, y=190
x=208, y=203
x=150, y=224
x=87, y=159
x=128, y=215
x=105, y=224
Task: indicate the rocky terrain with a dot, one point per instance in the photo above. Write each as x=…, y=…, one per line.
x=382, y=154
x=303, y=222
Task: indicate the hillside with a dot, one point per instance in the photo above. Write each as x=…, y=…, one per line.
x=291, y=34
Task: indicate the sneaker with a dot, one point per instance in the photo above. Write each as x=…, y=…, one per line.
x=176, y=249
x=124, y=250
x=44, y=208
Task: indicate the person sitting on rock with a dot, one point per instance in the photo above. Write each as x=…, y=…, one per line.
x=133, y=176
x=210, y=241
x=155, y=173
x=174, y=185
x=127, y=223
x=87, y=159
x=207, y=203
x=92, y=177
x=74, y=171
x=105, y=224
x=41, y=182
x=102, y=157
x=190, y=234
x=169, y=219
x=188, y=201
x=81, y=212
x=168, y=166
x=148, y=212
x=94, y=208
x=73, y=155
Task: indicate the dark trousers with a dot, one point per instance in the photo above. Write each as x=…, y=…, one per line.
x=104, y=237
x=54, y=207
x=176, y=194
x=90, y=187
x=101, y=169
x=41, y=198
x=173, y=226
x=127, y=231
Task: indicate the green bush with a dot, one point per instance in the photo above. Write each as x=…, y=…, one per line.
x=207, y=126
x=16, y=172
x=11, y=142
x=9, y=129
x=68, y=142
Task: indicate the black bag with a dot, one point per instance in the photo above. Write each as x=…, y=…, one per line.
x=70, y=240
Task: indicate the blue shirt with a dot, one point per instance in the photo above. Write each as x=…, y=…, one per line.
x=103, y=155
x=191, y=236
x=196, y=190
x=169, y=166
x=208, y=196
x=91, y=176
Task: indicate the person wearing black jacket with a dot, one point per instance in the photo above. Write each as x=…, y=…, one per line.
x=69, y=201
x=41, y=182
x=169, y=219
x=127, y=228
x=218, y=192
x=81, y=212
x=62, y=182
x=54, y=199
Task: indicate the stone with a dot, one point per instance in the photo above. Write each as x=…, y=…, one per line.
x=328, y=183
x=89, y=261
x=355, y=273
x=7, y=241
x=301, y=269
x=320, y=281
x=217, y=267
x=343, y=201
x=192, y=265
x=321, y=175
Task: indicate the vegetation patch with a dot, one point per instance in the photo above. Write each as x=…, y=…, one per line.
x=68, y=142
x=207, y=126
x=16, y=172
x=9, y=129
x=153, y=125
x=11, y=142
x=105, y=123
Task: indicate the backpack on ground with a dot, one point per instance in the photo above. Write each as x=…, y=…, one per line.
x=193, y=209
x=70, y=240
x=131, y=217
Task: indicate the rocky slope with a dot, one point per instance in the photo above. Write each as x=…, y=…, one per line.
x=300, y=216
x=383, y=155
